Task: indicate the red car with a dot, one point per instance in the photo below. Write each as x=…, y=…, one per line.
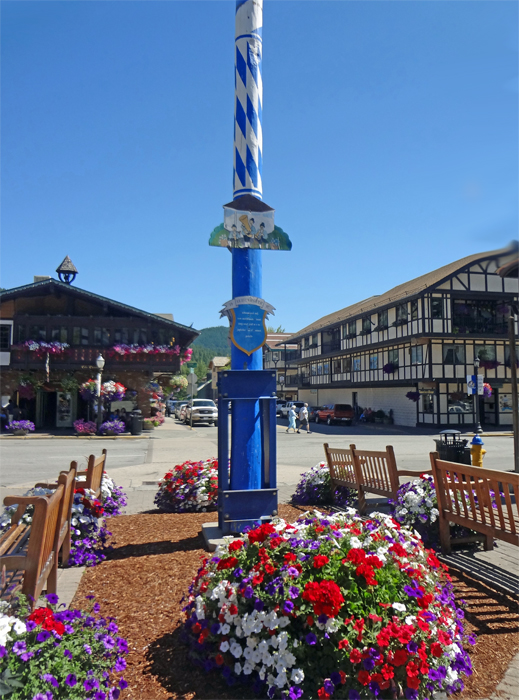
x=335, y=413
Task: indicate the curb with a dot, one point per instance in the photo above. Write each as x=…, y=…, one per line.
x=75, y=437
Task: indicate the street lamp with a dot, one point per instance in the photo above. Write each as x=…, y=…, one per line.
x=275, y=359
x=100, y=362
x=478, y=429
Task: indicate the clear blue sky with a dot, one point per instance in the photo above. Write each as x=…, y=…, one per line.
x=390, y=146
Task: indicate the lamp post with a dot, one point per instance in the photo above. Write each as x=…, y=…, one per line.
x=478, y=429
x=275, y=360
x=100, y=362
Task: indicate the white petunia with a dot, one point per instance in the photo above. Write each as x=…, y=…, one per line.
x=399, y=606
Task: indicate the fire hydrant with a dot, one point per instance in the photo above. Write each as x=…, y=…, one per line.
x=477, y=451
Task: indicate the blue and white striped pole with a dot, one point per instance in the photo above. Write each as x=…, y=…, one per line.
x=246, y=262
x=248, y=99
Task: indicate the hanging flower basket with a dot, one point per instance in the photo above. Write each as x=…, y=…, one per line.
x=413, y=396
x=389, y=368
x=123, y=350
x=88, y=390
x=178, y=382
x=487, y=390
x=489, y=364
x=113, y=391
x=40, y=348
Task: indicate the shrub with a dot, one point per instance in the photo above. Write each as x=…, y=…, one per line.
x=192, y=486
x=315, y=489
x=66, y=655
x=329, y=606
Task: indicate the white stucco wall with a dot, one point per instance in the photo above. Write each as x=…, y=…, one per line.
x=385, y=398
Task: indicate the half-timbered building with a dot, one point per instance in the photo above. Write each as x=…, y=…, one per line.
x=410, y=350
x=138, y=348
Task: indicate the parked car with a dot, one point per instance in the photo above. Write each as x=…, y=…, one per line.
x=182, y=414
x=312, y=412
x=285, y=408
x=201, y=411
x=170, y=406
x=178, y=407
x=335, y=413
x=279, y=404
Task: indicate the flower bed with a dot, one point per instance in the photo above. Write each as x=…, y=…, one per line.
x=83, y=427
x=329, y=606
x=25, y=425
x=51, y=655
x=416, y=506
x=112, y=427
x=192, y=486
x=89, y=534
x=315, y=489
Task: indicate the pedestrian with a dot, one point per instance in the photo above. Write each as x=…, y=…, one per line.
x=303, y=419
x=292, y=419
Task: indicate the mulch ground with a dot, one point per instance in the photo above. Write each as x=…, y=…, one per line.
x=154, y=558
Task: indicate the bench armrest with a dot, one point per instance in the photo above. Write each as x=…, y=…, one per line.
x=413, y=472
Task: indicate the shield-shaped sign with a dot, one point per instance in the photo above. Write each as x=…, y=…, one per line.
x=248, y=329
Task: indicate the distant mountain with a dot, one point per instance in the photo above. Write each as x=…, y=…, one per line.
x=214, y=338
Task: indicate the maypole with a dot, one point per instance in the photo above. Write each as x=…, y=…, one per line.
x=249, y=493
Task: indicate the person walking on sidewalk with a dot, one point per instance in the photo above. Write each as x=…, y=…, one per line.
x=303, y=419
x=292, y=419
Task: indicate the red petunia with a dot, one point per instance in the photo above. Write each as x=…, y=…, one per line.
x=355, y=656
x=321, y=693
x=364, y=677
x=219, y=659
x=400, y=657
x=356, y=556
x=227, y=563
x=320, y=560
x=235, y=545
x=436, y=649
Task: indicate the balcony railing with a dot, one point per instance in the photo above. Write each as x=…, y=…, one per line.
x=331, y=346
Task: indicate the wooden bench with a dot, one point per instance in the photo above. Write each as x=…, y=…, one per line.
x=366, y=471
x=465, y=498
x=27, y=553
x=94, y=473
x=63, y=539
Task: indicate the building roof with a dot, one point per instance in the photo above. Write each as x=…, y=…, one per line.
x=401, y=292
x=51, y=283
x=217, y=362
x=278, y=341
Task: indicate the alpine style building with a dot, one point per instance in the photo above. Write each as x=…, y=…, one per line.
x=139, y=348
x=409, y=351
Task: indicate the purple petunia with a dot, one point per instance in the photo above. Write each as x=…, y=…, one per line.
x=122, y=684
x=71, y=680
x=90, y=684
x=120, y=664
x=311, y=639
x=49, y=678
x=19, y=648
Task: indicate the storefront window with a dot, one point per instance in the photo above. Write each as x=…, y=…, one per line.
x=414, y=310
x=487, y=353
x=453, y=355
x=326, y=368
x=337, y=366
x=373, y=362
x=382, y=319
x=459, y=402
x=366, y=324
x=427, y=403
x=313, y=369
x=346, y=364
x=356, y=364
x=479, y=316
x=352, y=328
x=121, y=335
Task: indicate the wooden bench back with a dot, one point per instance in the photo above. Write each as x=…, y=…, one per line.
x=341, y=465
x=94, y=473
x=377, y=470
x=484, y=500
x=366, y=471
x=39, y=557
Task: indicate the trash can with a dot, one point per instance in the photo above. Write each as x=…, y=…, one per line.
x=136, y=425
x=452, y=448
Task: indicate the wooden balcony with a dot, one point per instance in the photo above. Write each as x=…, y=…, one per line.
x=85, y=357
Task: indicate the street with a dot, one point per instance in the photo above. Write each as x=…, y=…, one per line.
x=140, y=463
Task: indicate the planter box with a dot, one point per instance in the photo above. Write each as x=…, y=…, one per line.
x=19, y=433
